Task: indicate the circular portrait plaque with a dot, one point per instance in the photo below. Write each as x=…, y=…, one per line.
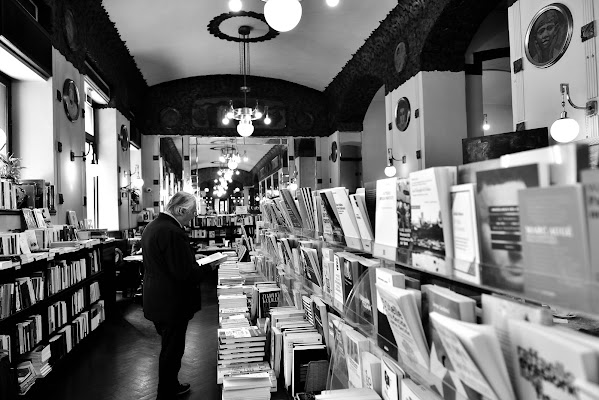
x=402, y=114
x=400, y=56
x=548, y=35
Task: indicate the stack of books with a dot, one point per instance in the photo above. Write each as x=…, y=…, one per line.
x=40, y=358
x=240, y=346
x=254, y=386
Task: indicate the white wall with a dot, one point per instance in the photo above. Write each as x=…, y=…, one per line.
x=374, y=142
x=32, y=123
x=150, y=145
x=535, y=91
x=499, y=118
x=70, y=174
x=440, y=98
x=123, y=163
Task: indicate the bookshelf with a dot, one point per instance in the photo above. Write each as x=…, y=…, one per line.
x=273, y=267
x=218, y=227
x=74, y=292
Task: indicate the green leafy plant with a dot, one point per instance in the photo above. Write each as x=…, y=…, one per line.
x=10, y=167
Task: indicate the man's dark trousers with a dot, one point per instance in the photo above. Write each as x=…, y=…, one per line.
x=173, y=347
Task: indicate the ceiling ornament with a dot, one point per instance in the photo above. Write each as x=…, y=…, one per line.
x=245, y=115
x=219, y=25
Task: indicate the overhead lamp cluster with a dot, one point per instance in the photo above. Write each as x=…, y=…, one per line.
x=221, y=184
x=231, y=157
x=282, y=15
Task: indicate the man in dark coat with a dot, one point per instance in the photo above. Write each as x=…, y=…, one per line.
x=171, y=293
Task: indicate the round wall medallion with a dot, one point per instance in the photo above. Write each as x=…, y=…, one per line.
x=334, y=152
x=304, y=120
x=400, y=56
x=548, y=35
x=70, y=99
x=169, y=117
x=70, y=31
x=124, y=138
x=225, y=26
x=402, y=114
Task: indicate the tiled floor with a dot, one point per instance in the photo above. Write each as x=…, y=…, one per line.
x=121, y=361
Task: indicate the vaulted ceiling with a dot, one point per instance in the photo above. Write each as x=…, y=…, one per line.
x=170, y=40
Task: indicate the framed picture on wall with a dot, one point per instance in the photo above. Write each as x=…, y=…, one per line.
x=548, y=35
x=402, y=114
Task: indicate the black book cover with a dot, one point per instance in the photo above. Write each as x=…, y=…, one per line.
x=370, y=197
x=267, y=300
x=335, y=225
x=302, y=356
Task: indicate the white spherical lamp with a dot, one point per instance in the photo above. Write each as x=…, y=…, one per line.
x=332, y=3
x=565, y=129
x=245, y=128
x=390, y=171
x=283, y=15
x=235, y=5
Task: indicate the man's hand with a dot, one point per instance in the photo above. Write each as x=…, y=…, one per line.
x=198, y=256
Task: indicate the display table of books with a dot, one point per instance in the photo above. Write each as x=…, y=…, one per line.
x=457, y=283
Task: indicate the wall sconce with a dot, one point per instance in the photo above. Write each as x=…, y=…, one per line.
x=137, y=182
x=90, y=148
x=566, y=129
x=486, y=125
x=390, y=169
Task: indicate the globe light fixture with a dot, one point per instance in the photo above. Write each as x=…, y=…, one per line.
x=566, y=129
x=486, y=125
x=235, y=5
x=283, y=15
x=390, y=170
x=331, y=3
x=292, y=186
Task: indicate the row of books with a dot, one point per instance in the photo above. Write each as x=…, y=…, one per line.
x=29, y=333
x=435, y=330
x=37, y=218
x=8, y=195
x=94, y=292
x=57, y=315
x=32, y=241
x=77, y=302
x=21, y=294
x=65, y=274
x=222, y=220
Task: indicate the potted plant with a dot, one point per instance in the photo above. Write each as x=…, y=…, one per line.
x=10, y=167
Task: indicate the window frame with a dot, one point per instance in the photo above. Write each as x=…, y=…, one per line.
x=7, y=82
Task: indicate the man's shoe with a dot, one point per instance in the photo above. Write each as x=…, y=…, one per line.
x=183, y=388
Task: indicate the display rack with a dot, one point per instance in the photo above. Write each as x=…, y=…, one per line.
x=449, y=275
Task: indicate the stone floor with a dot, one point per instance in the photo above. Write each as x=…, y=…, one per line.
x=119, y=361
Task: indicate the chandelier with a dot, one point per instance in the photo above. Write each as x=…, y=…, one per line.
x=245, y=115
x=231, y=158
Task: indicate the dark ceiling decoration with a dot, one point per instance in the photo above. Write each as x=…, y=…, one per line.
x=169, y=118
x=304, y=109
x=265, y=161
x=171, y=156
x=81, y=30
x=436, y=34
x=214, y=27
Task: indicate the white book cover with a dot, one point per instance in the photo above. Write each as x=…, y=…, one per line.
x=389, y=381
x=410, y=390
x=365, y=232
x=288, y=341
x=466, y=249
x=431, y=218
x=354, y=344
x=497, y=311
x=386, y=229
x=465, y=367
x=338, y=269
x=385, y=338
x=347, y=218
x=547, y=364
x=402, y=313
x=371, y=371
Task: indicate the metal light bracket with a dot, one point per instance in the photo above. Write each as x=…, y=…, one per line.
x=590, y=107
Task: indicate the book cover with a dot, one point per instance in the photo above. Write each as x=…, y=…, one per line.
x=386, y=233
x=347, y=218
x=555, y=244
x=431, y=218
x=329, y=209
x=402, y=313
x=466, y=249
x=363, y=225
x=291, y=207
x=410, y=390
x=537, y=351
x=267, y=298
x=370, y=201
x=389, y=382
x=499, y=221
x=354, y=344
x=385, y=338
x=404, y=219
x=371, y=371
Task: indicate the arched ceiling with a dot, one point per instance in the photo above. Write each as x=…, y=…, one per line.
x=170, y=40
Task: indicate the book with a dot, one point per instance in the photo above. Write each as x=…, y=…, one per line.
x=499, y=221
x=29, y=218
x=363, y=224
x=289, y=340
x=301, y=357
x=498, y=310
x=291, y=207
x=390, y=380
x=431, y=218
x=402, y=313
x=385, y=338
x=386, y=233
x=371, y=371
x=410, y=390
x=453, y=305
x=241, y=335
x=555, y=244
x=537, y=351
x=466, y=248
x=354, y=343
x=347, y=218
x=332, y=229
x=470, y=347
